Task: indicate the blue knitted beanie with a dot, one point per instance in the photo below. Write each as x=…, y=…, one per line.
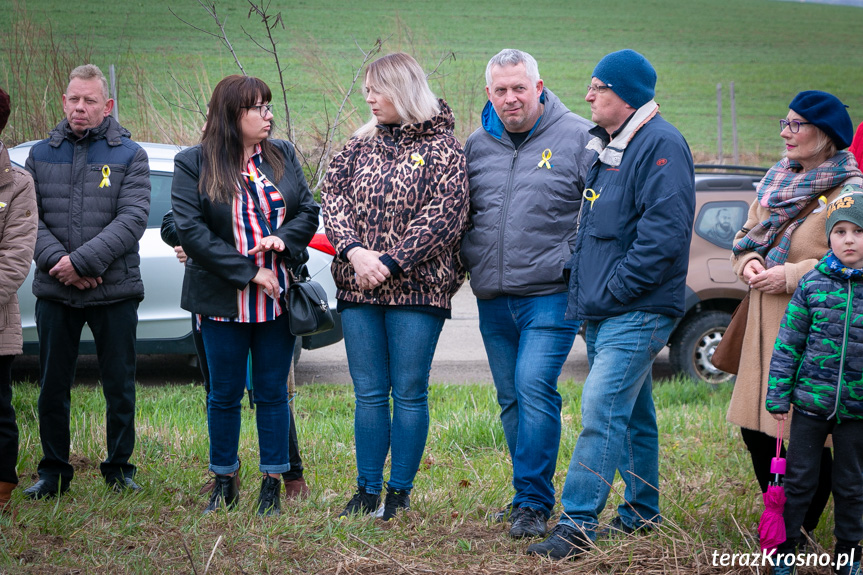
x=828, y=113
x=629, y=75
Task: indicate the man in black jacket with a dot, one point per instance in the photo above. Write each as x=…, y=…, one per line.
x=93, y=193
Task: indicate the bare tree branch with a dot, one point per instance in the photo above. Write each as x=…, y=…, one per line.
x=320, y=173
x=222, y=35
x=271, y=21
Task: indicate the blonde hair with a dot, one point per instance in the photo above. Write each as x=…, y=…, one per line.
x=89, y=72
x=401, y=80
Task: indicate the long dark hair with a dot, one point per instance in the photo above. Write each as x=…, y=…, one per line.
x=222, y=140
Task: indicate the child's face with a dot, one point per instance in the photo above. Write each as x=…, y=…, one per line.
x=846, y=241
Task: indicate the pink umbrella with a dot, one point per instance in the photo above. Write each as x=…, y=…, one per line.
x=771, y=528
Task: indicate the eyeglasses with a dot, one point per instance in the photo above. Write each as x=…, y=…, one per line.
x=263, y=109
x=793, y=125
x=597, y=89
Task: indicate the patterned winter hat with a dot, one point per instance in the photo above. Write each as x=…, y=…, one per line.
x=848, y=207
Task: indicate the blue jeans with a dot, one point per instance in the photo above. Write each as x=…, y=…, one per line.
x=228, y=345
x=390, y=350
x=527, y=341
x=619, y=422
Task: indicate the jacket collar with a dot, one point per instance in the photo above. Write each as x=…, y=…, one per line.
x=611, y=152
x=494, y=126
x=109, y=129
x=5, y=166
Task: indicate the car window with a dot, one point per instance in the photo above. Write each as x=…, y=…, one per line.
x=718, y=222
x=160, y=197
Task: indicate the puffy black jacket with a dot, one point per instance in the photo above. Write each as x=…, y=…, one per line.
x=97, y=227
x=216, y=270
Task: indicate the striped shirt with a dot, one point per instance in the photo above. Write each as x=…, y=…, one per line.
x=251, y=225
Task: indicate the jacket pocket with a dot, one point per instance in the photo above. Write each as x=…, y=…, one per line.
x=207, y=294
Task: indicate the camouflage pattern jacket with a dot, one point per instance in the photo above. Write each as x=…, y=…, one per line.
x=818, y=359
x=404, y=194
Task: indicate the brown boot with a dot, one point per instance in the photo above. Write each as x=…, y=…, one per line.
x=5, y=495
x=296, y=488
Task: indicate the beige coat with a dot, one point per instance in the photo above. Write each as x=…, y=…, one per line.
x=18, y=223
x=808, y=245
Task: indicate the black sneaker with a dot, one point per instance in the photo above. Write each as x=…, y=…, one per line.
x=564, y=542
x=47, y=489
x=618, y=527
x=362, y=503
x=508, y=513
x=396, y=499
x=269, y=499
x=226, y=492
x=124, y=484
x=529, y=522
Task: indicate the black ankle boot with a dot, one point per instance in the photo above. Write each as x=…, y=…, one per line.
x=269, y=500
x=226, y=492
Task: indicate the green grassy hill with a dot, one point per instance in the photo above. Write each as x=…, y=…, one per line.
x=771, y=50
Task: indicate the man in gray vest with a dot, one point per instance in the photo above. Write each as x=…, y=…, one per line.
x=527, y=166
x=93, y=193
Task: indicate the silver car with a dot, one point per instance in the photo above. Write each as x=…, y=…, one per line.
x=164, y=327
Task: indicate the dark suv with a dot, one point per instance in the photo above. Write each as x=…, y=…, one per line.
x=722, y=196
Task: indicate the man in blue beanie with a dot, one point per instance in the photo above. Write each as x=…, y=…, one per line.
x=627, y=282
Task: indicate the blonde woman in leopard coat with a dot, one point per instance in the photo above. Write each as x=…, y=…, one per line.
x=395, y=206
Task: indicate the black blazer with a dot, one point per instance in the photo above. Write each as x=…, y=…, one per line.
x=215, y=270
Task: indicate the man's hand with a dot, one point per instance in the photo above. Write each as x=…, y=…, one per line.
x=770, y=281
x=65, y=272
x=87, y=282
x=181, y=255
x=370, y=270
x=268, y=243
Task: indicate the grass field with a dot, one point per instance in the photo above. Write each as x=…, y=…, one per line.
x=771, y=50
x=708, y=495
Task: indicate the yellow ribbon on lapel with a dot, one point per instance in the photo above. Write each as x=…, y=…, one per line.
x=591, y=196
x=417, y=160
x=106, y=172
x=546, y=156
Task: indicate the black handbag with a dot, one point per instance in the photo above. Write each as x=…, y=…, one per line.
x=308, y=306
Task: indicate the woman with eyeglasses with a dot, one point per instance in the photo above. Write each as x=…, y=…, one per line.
x=783, y=238
x=244, y=215
x=395, y=207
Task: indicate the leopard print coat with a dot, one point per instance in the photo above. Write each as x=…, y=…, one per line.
x=403, y=193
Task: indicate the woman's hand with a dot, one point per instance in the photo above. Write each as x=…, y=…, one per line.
x=371, y=272
x=779, y=416
x=181, y=255
x=752, y=269
x=267, y=280
x=268, y=243
x=770, y=281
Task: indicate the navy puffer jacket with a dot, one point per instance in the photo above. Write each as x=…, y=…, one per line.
x=97, y=227
x=817, y=362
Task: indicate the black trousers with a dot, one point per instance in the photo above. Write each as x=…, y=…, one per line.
x=59, y=327
x=8, y=426
x=296, y=461
x=762, y=448
x=801, y=481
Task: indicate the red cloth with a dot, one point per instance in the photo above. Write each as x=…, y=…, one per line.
x=771, y=528
x=857, y=145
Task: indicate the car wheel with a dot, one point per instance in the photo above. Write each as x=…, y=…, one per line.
x=693, y=344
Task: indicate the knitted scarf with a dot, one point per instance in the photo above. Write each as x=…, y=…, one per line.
x=786, y=190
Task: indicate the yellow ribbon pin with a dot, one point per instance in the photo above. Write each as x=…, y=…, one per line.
x=106, y=171
x=546, y=156
x=417, y=160
x=591, y=196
